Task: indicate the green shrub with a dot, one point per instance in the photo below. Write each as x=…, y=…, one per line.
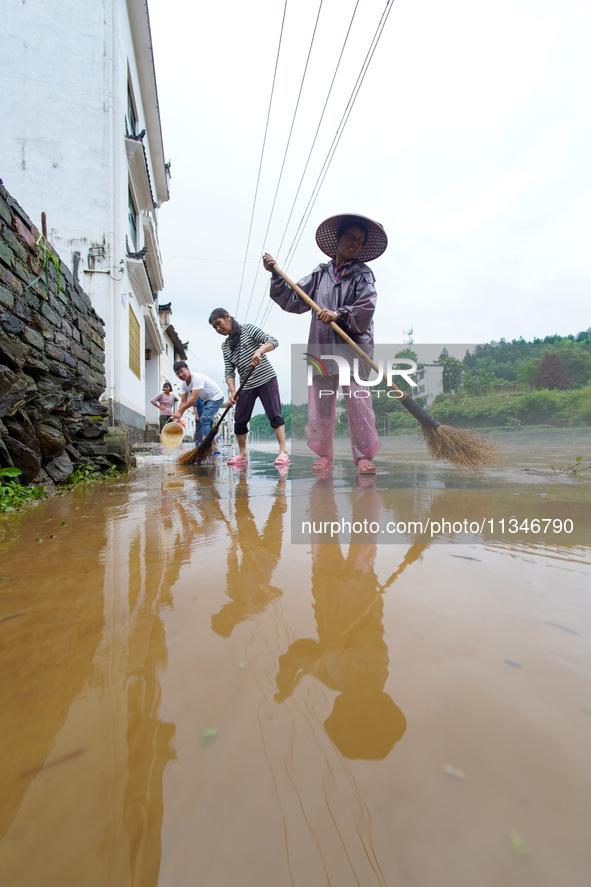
x=539, y=406
x=583, y=413
x=13, y=494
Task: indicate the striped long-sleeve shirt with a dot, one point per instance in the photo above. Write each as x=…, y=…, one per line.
x=251, y=338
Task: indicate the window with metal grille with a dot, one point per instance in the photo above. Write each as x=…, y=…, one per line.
x=132, y=216
x=134, y=345
x=131, y=115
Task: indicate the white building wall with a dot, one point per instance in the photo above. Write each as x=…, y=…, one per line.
x=430, y=382
x=64, y=70
x=54, y=82
x=153, y=387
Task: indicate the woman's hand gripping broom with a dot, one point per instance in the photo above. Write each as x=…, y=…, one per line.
x=464, y=449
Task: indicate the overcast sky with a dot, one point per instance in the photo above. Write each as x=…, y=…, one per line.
x=470, y=141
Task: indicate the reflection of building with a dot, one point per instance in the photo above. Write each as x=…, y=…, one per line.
x=84, y=741
x=430, y=381
x=44, y=671
x=82, y=142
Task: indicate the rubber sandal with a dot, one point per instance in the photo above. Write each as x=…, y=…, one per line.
x=237, y=460
x=322, y=465
x=282, y=460
x=364, y=466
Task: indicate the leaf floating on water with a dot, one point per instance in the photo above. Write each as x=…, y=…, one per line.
x=208, y=734
x=38, y=540
x=241, y=665
x=587, y=709
x=454, y=771
x=520, y=848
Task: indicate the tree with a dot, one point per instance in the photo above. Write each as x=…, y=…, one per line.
x=525, y=372
x=475, y=382
x=577, y=363
x=453, y=371
x=260, y=423
x=552, y=373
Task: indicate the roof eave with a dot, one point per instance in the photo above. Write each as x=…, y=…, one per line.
x=139, y=20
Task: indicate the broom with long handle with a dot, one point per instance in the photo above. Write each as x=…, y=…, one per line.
x=464, y=449
x=200, y=452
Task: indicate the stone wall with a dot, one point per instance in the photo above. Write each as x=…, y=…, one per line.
x=51, y=361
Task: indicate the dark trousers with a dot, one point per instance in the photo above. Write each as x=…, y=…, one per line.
x=269, y=395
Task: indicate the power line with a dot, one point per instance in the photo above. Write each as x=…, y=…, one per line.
x=261, y=306
x=339, y=132
x=341, y=127
x=287, y=145
x=262, y=154
x=318, y=127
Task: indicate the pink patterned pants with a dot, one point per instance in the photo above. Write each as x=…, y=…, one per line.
x=320, y=429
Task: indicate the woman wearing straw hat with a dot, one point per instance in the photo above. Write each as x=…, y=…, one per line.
x=344, y=289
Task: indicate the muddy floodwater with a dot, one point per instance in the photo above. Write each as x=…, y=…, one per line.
x=218, y=677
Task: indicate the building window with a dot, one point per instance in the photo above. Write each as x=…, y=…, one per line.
x=134, y=344
x=132, y=216
x=131, y=115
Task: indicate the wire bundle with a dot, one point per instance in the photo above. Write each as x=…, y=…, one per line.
x=264, y=306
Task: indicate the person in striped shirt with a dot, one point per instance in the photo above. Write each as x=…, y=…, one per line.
x=246, y=345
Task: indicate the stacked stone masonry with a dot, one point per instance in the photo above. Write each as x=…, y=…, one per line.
x=51, y=361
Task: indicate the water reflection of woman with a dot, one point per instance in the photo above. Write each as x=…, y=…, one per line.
x=350, y=655
x=251, y=560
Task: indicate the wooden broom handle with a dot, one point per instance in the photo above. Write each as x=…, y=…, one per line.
x=297, y=289
x=242, y=384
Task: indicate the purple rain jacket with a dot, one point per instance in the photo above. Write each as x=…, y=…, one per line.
x=353, y=296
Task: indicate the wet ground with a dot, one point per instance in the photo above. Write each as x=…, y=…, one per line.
x=196, y=689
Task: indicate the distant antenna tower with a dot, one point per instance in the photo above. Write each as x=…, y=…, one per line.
x=409, y=339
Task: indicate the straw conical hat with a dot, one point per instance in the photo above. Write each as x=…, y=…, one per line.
x=328, y=232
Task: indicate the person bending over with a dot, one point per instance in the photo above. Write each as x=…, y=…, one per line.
x=193, y=387
x=246, y=346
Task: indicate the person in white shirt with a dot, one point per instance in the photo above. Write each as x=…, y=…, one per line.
x=193, y=387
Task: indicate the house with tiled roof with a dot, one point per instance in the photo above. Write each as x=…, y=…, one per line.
x=82, y=142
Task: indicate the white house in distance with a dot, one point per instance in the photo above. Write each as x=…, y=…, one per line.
x=429, y=381
x=81, y=140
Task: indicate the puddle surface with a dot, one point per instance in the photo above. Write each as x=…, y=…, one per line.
x=191, y=694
